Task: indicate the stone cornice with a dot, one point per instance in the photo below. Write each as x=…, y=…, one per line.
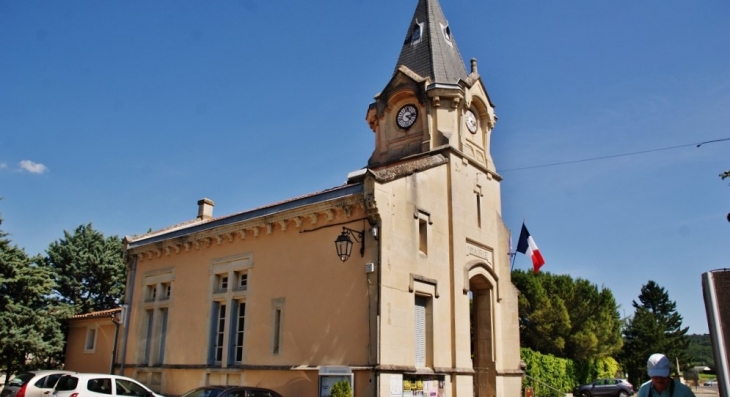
x=311, y=215
x=407, y=167
x=424, y=161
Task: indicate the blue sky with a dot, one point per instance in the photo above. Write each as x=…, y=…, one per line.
x=125, y=113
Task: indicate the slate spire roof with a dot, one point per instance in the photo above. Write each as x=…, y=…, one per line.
x=429, y=48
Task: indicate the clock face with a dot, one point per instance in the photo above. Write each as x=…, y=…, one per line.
x=406, y=116
x=471, y=121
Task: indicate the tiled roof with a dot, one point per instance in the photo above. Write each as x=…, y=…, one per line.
x=101, y=313
x=435, y=53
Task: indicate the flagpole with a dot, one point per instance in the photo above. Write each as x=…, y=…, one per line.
x=511, y=253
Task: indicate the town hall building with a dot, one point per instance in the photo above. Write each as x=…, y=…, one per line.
x=397, y=281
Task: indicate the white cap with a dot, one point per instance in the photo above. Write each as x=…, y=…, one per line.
x=658, y=365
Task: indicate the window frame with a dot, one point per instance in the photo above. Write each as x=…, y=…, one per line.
x=225, y=280
x=91, y=337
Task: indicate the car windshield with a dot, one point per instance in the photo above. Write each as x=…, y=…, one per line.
x=203, y=393
x=21, y=379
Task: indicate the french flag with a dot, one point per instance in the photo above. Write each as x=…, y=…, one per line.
x=526, y=245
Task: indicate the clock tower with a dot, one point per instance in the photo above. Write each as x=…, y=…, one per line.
x=431, y=101
x=433, y=191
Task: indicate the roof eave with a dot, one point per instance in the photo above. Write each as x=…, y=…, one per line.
x=332, y=194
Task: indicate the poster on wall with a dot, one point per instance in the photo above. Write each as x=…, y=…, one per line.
x=413, y=387
x=431, y=388
x=421, y=386
x=396, y=385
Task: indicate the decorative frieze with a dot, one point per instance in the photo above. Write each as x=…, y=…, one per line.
x=329, y=212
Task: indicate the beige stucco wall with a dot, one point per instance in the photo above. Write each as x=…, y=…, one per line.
x=80, y=359
x=325, y=305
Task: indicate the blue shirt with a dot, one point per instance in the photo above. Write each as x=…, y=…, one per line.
x=677, y=389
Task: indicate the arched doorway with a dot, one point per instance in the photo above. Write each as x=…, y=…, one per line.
x=482, y=334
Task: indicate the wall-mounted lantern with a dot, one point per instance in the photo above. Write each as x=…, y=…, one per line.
x=343, y=244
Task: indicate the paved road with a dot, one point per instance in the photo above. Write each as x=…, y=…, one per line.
x=701, y=391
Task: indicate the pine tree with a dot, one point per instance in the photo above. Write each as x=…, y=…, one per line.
x=30, y=321
x=89, y=269
x=656, y=327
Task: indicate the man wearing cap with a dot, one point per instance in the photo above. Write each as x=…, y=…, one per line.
x=661, y=384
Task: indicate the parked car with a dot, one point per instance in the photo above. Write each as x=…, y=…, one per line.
x=231, y=391
x=605, y=387
x=33, y=383
x=100, y=385
x=711, y=382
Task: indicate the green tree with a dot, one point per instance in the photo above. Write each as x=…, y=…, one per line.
x=567, y=318
x=656, y=327
x=544, y=321
x=89, y=269
x=700, y=350
x=595, y=321
x=30, y=321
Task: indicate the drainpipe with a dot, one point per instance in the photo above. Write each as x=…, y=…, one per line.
x=378, y=373
x=130, y=293
x=116, y=341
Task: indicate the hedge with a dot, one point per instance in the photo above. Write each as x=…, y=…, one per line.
x=551, y=376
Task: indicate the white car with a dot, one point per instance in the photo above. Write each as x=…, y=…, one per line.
x=100, y=385
x=711, y=382
x=33, y=383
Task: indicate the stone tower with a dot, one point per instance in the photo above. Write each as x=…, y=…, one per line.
x=436, y=196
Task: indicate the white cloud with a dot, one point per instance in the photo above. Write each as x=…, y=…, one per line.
x=35, y=168
x=3, y=166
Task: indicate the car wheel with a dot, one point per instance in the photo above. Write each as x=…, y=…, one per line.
x=585, y=394
x=623, y=393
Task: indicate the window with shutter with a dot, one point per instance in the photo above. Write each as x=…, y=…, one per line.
x=420, y=331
